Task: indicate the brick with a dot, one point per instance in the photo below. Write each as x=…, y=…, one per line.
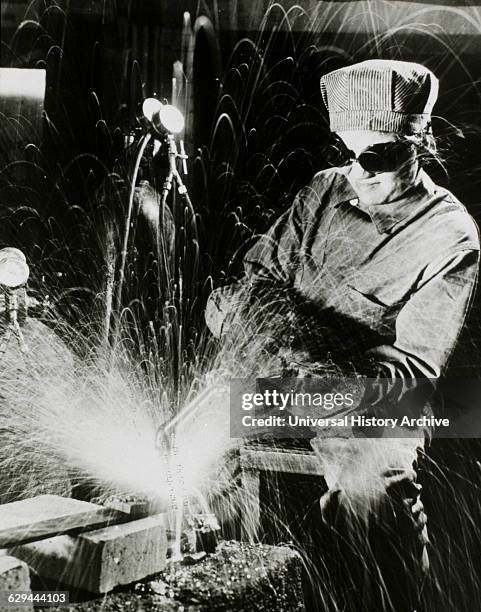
x=14, y=576
x=47, y=515
x=98, y=561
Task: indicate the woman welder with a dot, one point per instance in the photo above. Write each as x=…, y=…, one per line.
x=373, y=265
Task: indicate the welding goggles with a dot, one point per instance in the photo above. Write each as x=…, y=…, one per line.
x=377, y=158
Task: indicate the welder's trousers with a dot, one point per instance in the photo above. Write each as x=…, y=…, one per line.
x=376, y=520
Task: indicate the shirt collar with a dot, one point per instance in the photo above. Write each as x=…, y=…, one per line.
x=386, y=216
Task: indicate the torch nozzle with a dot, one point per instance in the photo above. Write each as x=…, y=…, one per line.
x=216, y=386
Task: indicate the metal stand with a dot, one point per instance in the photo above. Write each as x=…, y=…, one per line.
x=13, y=299
x=173, y=175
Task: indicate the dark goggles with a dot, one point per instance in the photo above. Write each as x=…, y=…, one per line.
x=381, y=157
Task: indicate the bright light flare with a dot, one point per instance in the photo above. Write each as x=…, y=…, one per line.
x=171, y=119
x=150, y=107
x=22, y=83
x=165, y=117
x=14, y=271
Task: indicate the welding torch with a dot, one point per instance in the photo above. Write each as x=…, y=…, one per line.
x=216, y=388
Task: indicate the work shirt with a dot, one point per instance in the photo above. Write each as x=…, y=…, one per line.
x=393, y=281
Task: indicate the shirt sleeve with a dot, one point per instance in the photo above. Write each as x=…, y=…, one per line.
x=427, y=327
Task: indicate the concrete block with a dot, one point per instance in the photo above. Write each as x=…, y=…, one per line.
x=44, y=516
x=43, y=507
x=98, y=561
x=14, y=576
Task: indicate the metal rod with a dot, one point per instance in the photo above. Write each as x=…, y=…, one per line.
x=143, y=144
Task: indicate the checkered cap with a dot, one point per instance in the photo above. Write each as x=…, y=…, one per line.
x=380, y=95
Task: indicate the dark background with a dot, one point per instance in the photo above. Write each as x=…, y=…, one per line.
x=247, y=79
